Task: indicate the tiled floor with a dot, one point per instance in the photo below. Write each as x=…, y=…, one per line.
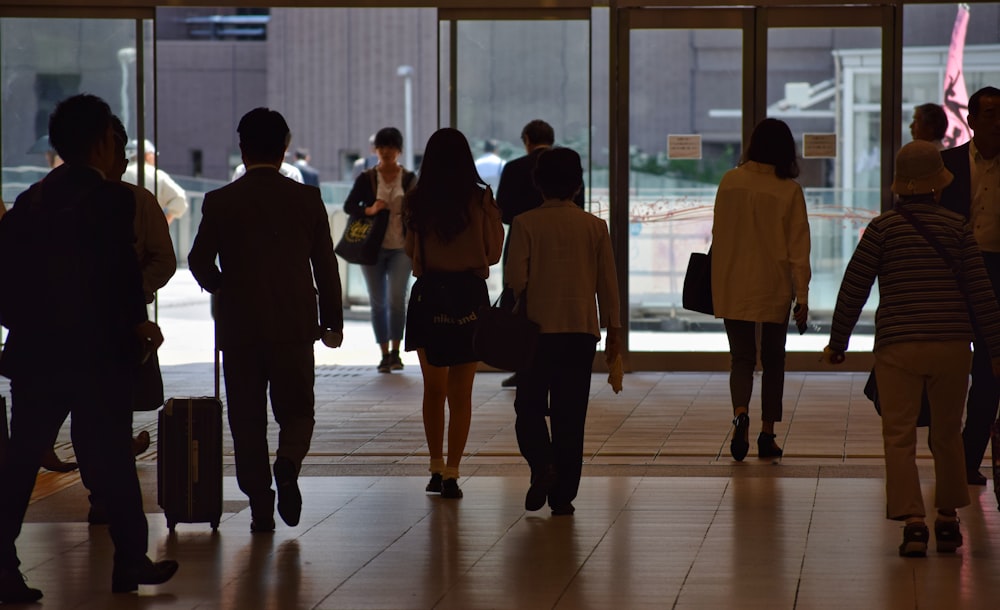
x=665, y=519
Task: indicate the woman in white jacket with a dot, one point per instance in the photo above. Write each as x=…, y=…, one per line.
x=760, y=265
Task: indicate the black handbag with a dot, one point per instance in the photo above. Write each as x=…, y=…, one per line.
x=362, y=238
x=505, y=338
x=697, y=295
x=871, y=391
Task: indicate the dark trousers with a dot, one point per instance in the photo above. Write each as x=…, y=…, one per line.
x=101, y=406
x=743, y=352
x=287, y=371
x=984, y=392
x=557, y=381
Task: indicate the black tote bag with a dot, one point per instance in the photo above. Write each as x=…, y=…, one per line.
x=697, y=295
x=362, y=238
x=505, y=338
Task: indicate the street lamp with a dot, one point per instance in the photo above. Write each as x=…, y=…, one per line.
x=407, y=73
x=126, y=56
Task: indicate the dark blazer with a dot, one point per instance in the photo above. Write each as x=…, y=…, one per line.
x=365, y=187
x=72, y=290
x=517, y=193
x=957, y=196
x=272, y=237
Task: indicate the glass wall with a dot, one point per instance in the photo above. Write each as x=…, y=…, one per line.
x=510, y=71
x=43, y=61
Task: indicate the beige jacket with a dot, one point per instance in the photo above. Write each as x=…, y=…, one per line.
x=152, y=242
x=477, y=247
x=760, y=246
x=562, y=256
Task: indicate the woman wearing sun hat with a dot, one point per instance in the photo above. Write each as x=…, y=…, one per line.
x=923, y=329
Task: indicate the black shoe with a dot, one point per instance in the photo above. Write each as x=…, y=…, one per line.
x=395, y=363
x=140, y=444
x=261, y=525
x=975, y=478
x=510, y=382
x=289, y=496
x=450, y=489
x=125, y=579
x=766, y=447
x=915, y=536
x=739, y=445
x=947, y=535
x=538, y=492
x=434, y=485
x=560, y=510
x=13, y=589
x=385, y=365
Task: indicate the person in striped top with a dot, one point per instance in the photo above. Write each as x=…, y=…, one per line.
x=923, y=327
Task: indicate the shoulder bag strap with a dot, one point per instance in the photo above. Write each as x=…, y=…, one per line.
x=954, y=265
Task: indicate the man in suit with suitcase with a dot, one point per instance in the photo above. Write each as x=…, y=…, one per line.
x=272, y=238
x=975, y=194
x=74, y=306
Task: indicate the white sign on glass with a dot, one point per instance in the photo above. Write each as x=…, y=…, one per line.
x=684, y=147
x=819, y=145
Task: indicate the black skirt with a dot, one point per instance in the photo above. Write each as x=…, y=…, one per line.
x=442, y=314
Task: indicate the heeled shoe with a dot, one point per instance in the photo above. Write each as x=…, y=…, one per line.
x=140, y=444
x=740, y=444
x=50, y=461
x=766, y=447
x=127, y=578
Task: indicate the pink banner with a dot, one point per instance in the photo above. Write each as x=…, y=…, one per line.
x=956, y=97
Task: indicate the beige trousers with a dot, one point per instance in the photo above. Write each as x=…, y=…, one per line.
x=902, y=371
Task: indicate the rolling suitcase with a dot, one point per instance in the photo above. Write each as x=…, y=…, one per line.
x=189, y=459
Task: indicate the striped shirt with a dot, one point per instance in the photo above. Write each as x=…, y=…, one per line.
x=920, y=299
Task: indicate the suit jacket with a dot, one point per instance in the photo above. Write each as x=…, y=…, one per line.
x=272, y=238
x=957, y=196
x=72, y=293
x=517, y=192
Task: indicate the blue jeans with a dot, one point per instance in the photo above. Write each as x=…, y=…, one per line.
x=387, y=282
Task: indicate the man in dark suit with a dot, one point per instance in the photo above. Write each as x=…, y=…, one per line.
x=272, y=238
x=975, y=193
x=517, y=192
x=74, y=304
x=310, y=175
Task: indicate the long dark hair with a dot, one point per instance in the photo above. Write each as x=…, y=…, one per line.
x=448, y=180
x=772, y=143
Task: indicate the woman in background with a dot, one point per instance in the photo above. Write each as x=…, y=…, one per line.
x=453, y=235
x=382, y=188
x=760, y=265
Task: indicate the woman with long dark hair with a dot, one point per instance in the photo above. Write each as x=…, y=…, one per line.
x=453, y=235
x=760, y=266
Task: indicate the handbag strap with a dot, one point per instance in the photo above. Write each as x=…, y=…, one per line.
x=955, y=267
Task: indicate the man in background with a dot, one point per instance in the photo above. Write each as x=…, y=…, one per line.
x=517, y=192
x=490, y=165
x=172, y=198
x=975, y=194
x=310, y=175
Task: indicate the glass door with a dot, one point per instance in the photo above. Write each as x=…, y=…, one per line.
x=691, y=86
x=500, y=69
x=683, y=100
x=825, y=79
